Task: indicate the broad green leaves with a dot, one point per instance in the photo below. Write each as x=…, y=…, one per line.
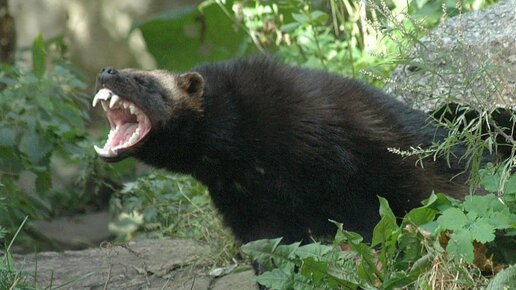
x=505, y=280
x=397, y=256
x=43, y=116
x=329, y=267
x=479, y=217
x=180, y=39
x=320, y=266
x=476, y=219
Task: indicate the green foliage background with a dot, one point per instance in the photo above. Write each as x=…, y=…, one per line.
x=44, y=115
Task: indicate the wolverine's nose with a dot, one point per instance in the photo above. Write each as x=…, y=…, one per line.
x=105, y=74
x=108, y=71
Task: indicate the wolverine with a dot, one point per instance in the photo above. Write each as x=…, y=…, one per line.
x=281, y=149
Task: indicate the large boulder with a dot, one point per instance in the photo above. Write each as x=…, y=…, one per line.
x=470, y=58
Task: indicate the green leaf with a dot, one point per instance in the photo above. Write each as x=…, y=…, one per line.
x=43, y=181
x=300, y=18
x=482, y=205
x=285, y=255
x=482, y=231
x=10, y=161
x=290, y=27
x=400, y=280
x=453, y=219
x=35, y=145
x=438, y=202
x=263, y=251
x=504, y=280
x=182, y=38
x=419, y=216
x=319, y=17
x=510, y=185
x=387, y=225
x=45, y=103
x=314, y=251
x=460, y=245
x=276, y=279
x=343, y=236
x=39, y=57
x=314, y=270
x=502, y=219
x=7, y=136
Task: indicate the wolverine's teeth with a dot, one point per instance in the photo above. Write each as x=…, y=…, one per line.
x=104, y=105
x=132, y=109
x=135, y=136
x=110, y=135
x=114, y=100
x=103, y=152
x=98, y=149
x=102, y=94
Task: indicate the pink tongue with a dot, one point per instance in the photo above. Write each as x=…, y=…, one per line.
x=123, y=133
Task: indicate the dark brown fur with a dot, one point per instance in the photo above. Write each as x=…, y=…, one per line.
x=284, y=149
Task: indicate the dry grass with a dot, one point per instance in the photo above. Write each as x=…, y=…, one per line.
x=446, y=274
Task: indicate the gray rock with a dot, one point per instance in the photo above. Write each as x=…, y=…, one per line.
x=77, y=232
x=469, y=59
x=149, y=264
x=242, y=280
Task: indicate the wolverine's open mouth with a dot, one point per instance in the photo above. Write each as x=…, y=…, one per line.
x=129, y=124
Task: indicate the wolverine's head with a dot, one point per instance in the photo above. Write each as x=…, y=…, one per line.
x=138, y=103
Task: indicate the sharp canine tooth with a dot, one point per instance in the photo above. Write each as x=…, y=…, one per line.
x=102, y=94
x=104, y=105
x=114, y=100
x=104, y=152
x=101, y=151
x=98, y=149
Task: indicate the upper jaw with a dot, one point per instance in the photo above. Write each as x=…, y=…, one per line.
x=129, y=125
x=105, y=95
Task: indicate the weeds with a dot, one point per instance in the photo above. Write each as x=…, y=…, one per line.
x=161, y=205
x=10, y=276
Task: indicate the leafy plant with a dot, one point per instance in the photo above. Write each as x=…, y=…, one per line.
x=318, y=266
x=479, y=218
x=43, y=132
x=192, y=35
x=404, y=255
x=504, y=280
x=160, y=205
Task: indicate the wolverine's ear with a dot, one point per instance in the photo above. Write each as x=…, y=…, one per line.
x=192, y=83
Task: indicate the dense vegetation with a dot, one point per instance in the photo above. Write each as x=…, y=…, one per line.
x=443, y=244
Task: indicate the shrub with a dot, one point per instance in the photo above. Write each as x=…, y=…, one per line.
x=43, y=130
